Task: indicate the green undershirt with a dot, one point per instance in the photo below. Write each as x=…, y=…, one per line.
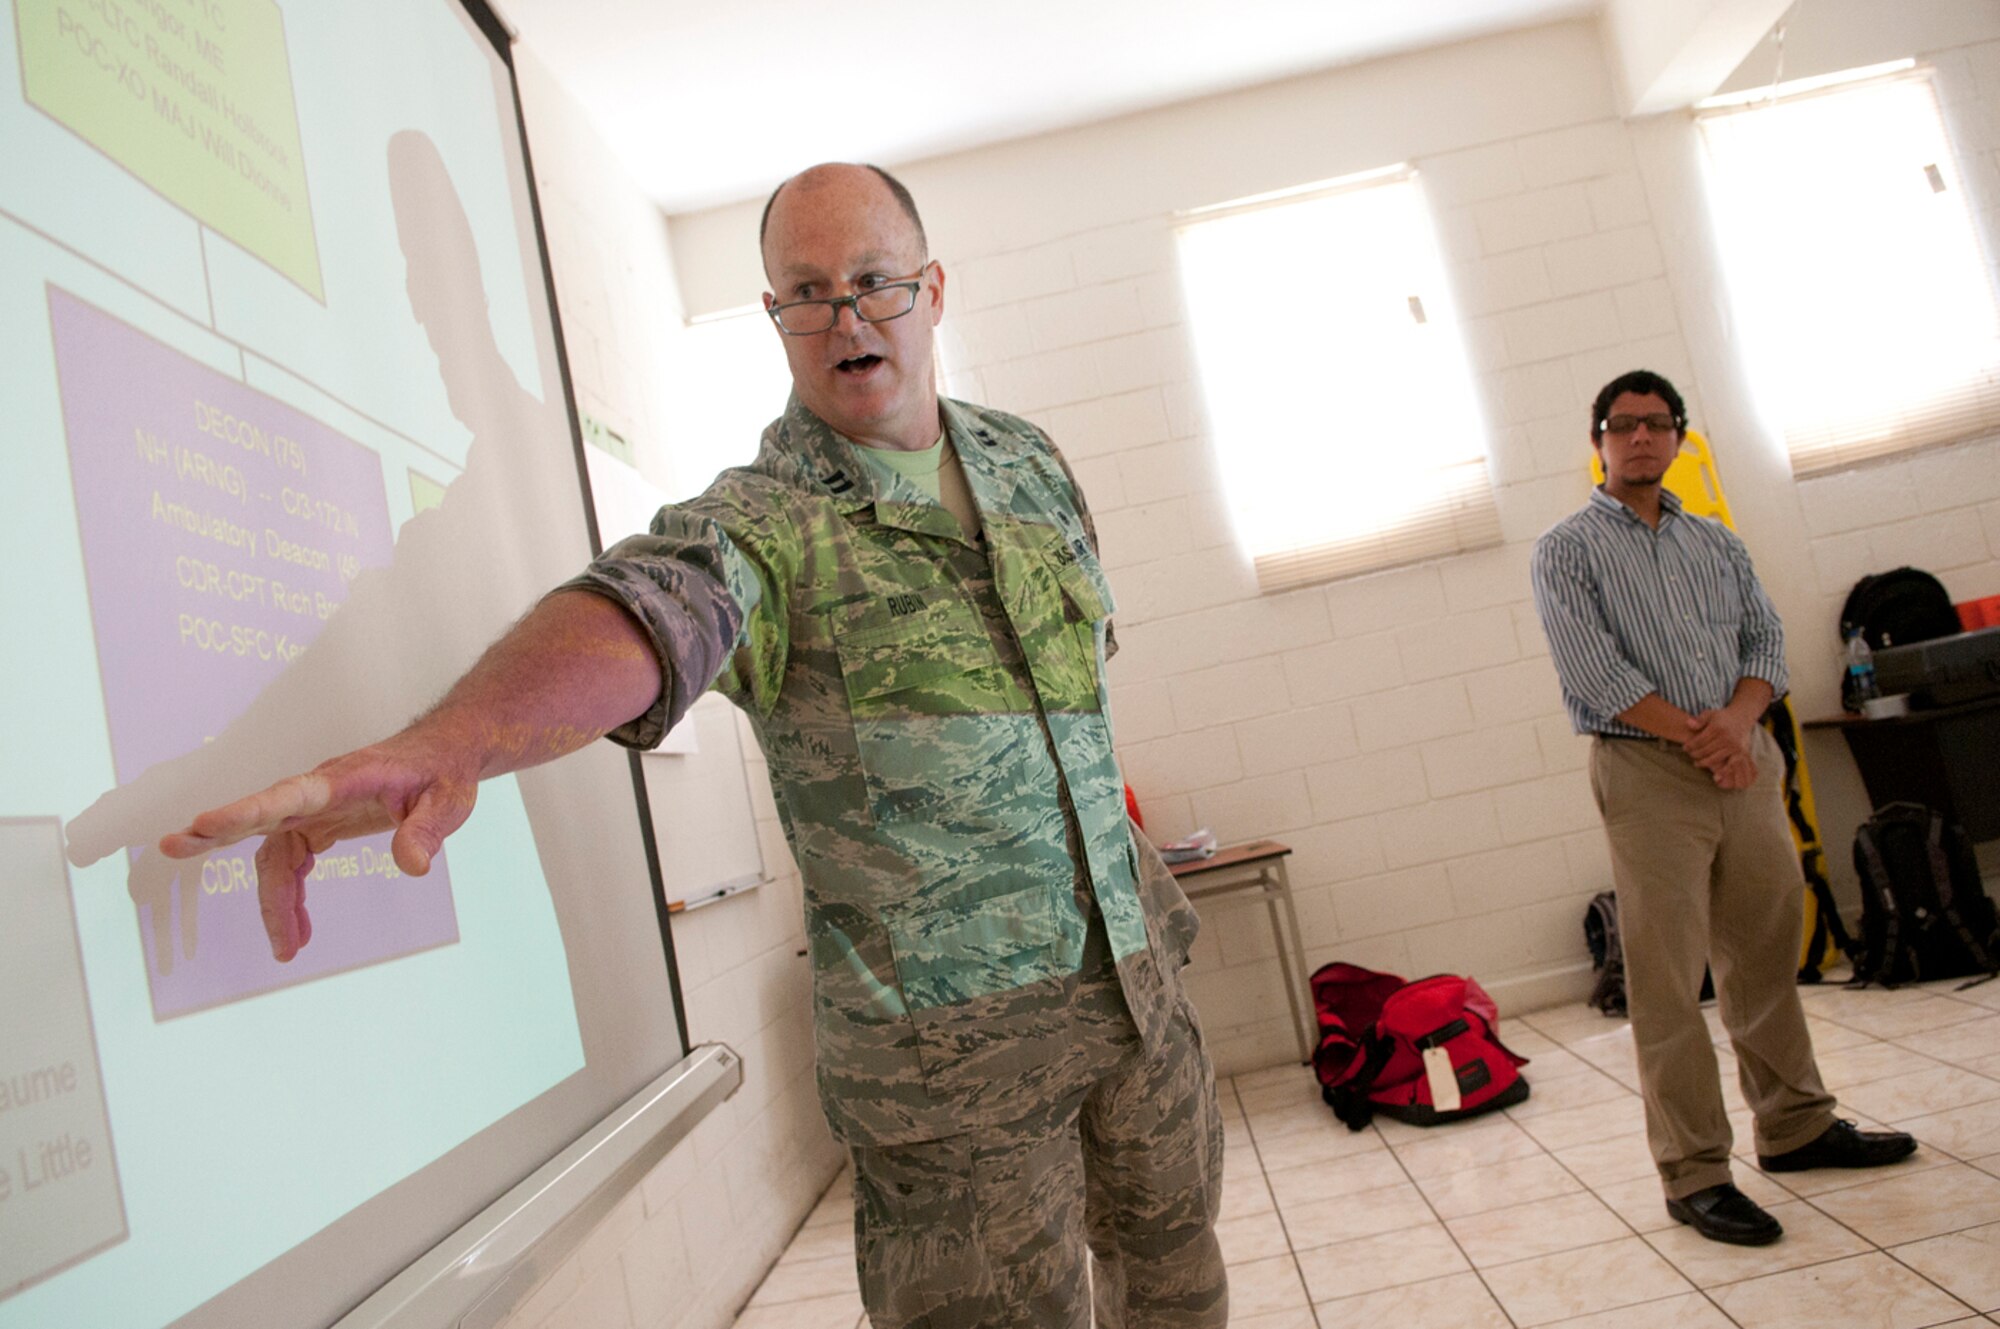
x=935, y=471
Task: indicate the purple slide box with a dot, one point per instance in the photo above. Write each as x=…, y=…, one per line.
x=220, y=529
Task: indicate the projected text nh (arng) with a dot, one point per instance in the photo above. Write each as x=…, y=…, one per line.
x=221, y=530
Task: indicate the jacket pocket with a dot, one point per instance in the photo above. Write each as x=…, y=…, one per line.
x=913, y=650
x=927, y=700
x=980, y=981
x=950, y=954
x=1069, y=672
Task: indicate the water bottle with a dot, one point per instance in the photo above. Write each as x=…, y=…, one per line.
x=1861, y=686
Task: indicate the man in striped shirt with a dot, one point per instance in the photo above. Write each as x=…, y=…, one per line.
x=1668, y=652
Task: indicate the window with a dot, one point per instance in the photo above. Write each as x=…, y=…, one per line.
x=1865, y=303
x=1341, y=409
x=727, y=381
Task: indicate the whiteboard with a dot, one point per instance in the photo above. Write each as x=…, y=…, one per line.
x=702, y=815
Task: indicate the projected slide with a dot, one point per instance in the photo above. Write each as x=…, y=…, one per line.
x=286, y=449
x=59, y=1199
x=220, y=531
x=194, y=98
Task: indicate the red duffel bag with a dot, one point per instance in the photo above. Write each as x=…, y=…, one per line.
x=1426, y=1052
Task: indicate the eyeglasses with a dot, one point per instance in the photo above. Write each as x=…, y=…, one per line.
x=878, y=304
x=1629, y=424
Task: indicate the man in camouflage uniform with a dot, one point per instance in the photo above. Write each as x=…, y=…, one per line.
x=904, y=596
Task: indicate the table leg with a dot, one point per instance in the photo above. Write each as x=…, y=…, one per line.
x=1285, y=971
x=1308, y=1026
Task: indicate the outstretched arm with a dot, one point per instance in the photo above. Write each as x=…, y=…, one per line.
x=575, y=668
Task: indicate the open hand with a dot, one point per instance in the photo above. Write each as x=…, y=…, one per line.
x=422, y=789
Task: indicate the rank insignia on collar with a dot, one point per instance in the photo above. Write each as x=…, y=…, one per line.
x=837, y=481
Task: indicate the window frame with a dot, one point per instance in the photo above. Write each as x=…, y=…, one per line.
x=1918, y=421
x=1459, y=513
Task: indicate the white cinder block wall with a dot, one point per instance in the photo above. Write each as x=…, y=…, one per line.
x=690, y=1244
x=1936, y=510
x=1403, y=731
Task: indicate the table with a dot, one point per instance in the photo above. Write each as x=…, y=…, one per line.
x=1944, y=758
x=1250, y=872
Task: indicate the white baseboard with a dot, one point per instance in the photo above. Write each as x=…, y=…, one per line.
x=1523, y=994
x=1256, y=1048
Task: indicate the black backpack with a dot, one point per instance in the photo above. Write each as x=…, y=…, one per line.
x=1607, y=953
x=1607, y=956
x=1924, y=911
x=1898, y=608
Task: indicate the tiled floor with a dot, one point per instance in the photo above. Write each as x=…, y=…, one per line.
x=1550, y=1214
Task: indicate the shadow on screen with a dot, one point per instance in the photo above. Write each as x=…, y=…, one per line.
x=461, y=572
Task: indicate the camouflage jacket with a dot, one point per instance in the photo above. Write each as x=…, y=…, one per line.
x=934, y=716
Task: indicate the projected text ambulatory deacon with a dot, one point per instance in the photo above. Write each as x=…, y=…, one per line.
x=221, y=530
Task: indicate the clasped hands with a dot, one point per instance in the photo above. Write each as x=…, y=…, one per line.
x=1719, y=742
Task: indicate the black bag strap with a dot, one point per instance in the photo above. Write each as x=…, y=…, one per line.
x=1877, y=874
x=1332, y=1036
x=1608, y=991
x=1349, y=1099
x=1778, y=723
x=1940, y=865
x=1444, y=1033
x=1600, y=930
x=1607, y=953
x=1827, y=926
x=1380, y=1049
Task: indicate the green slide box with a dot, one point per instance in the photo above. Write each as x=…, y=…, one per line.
x=194, y=98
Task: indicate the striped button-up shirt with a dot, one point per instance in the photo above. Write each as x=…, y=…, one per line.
x=1630, y=610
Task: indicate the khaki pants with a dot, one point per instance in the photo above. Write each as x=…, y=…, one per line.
x=989, y=1229
x=1708, y=876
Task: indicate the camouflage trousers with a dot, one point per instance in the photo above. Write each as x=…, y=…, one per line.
x=989, y=1229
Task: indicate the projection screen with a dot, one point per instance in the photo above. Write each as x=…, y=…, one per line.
x=290, y=441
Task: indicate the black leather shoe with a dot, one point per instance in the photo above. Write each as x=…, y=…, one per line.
x=1723, y=1213
x=1841, y=1145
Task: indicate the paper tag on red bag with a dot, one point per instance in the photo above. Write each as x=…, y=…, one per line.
x=1444, y=1082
